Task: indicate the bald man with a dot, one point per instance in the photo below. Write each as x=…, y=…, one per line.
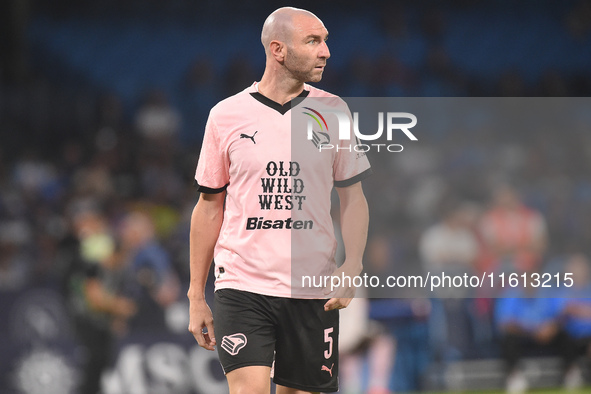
x=259, y=324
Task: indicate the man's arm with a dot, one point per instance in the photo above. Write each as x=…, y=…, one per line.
x=354, y=224
x=206, y=222
x=100, y=299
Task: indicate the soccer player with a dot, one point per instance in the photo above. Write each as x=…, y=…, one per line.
x=251, y=188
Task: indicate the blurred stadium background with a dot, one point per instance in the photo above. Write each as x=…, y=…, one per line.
x=103, y=105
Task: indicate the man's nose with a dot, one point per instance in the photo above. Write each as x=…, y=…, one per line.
x=324, y=52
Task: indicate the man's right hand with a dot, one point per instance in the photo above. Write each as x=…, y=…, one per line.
x=200, y=318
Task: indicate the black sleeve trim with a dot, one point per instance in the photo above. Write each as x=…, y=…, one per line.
x=208, y=190
x=354, y=180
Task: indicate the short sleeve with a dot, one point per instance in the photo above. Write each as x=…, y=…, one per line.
x=212, y=174
x=351, y=165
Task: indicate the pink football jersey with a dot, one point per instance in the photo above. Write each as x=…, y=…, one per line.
x=277, y=224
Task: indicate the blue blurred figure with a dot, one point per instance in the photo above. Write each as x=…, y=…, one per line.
x=157, y=285
x=528, y=325
x=575, y=313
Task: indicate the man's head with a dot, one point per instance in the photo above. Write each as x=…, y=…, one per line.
x=295, y=42
x=137, y=229
x=506, y=196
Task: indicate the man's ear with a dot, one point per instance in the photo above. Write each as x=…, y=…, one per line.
x=277, y=49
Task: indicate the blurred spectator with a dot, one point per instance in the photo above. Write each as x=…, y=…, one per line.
x=576, y=319
x=94, y=180
x=406, y=322
x=363, y=341
x=514, y=234
x=161, y=181
x=451, y=247
x=15, y=263
x=95, y=280
x=403, y=318
x=157, y=121
x=32, y=174
x=528, y=325
x=157, y=284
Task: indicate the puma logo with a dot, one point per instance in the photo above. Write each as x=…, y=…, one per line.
x=329, y=370
x=248, y=136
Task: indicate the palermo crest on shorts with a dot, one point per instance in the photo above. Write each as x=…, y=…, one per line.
x=233, y=343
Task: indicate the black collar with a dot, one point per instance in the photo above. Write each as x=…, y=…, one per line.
x=282, y=109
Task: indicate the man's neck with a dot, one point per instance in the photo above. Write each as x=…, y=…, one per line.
x=279, y=89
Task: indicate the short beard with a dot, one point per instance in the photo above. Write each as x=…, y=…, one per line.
x=295, y=65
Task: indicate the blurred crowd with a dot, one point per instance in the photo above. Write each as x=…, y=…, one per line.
x=544, y=311
x=116, y=168
x=100, y=216
x=96, y=195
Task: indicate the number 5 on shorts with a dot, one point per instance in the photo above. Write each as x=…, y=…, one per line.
x=328, y=338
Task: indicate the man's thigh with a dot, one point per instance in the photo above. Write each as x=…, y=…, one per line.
x=244, y=331
x=254, y=379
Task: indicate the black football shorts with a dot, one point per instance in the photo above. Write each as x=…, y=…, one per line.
x=302, y=339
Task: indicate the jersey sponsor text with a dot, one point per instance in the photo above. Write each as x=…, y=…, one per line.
x=260, y=223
